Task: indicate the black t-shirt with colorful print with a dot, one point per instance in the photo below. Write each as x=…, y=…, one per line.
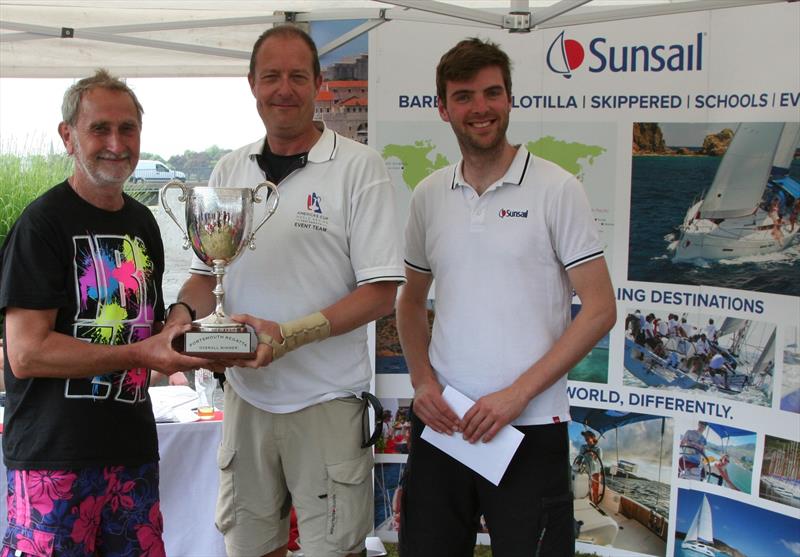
x=102, y=271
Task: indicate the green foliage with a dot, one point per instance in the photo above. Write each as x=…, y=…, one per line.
x=144, y=156
x=23, y=179
x=197, y=166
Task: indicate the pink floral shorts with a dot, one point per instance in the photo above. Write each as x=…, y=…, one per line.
x=112, y=510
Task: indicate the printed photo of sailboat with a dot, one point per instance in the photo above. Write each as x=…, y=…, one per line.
x=709, y=525
x=716, y=204
x=725, y=357
x=751, y=206
x=621, y=464
x=700, y=537
x=780, y=471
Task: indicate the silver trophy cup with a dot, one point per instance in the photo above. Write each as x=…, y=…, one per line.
x=218, y=227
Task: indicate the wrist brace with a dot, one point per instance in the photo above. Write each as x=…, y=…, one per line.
x=296, y=333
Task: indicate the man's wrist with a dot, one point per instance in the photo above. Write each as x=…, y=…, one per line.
x=189, y=310
x=297, y=333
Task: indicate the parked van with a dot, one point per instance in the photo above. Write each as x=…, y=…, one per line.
x=155, y=171
x=148, y=178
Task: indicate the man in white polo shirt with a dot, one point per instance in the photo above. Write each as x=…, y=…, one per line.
x=507, y=236
x=292, y=433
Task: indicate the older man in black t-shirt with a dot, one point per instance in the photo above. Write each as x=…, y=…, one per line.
x=80, y=285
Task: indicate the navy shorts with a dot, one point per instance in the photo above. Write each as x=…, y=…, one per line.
x=110, y=510
x=529, y=514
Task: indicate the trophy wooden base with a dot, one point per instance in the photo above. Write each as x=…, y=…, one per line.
x=217, y=345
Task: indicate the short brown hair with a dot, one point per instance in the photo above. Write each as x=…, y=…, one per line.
x=101, y=79
x=286, y=30
x=466, y=59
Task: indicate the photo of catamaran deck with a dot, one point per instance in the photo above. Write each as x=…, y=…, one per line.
x=631, y=507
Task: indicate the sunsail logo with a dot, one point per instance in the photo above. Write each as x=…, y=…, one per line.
x=508, y=213
x=566, y=55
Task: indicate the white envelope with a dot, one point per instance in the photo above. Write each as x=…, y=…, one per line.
x=491, y=459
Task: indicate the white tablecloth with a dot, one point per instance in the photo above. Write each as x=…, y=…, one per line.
x=188, y=486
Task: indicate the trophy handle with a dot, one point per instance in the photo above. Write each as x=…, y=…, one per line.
x=270, y=208
x=184, y=195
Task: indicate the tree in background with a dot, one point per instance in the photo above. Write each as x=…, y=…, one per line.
x=197, y=166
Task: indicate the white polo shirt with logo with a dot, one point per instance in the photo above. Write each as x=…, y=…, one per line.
x=335, y=228
x=500, y=263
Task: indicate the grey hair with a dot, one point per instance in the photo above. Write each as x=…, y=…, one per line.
x=102, y=79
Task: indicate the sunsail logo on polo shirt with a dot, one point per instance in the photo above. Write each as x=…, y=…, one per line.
x=508, y=213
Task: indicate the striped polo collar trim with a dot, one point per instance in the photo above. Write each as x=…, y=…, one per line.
x=323, y=150
x=514, y=175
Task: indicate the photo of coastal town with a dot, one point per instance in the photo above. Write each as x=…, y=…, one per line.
x=716, y=526
x=725, y=357
x=780, y=471
x=716, y=204
x=388, y=351
x=717, y=454
x=622, y=466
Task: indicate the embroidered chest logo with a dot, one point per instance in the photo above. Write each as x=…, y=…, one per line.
x=510, y=214
x=312, y=218
x=313, y=203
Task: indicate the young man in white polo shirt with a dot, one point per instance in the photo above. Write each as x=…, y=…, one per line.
x=507, y=236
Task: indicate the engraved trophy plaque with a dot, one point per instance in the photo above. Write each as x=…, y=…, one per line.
x=218, y=227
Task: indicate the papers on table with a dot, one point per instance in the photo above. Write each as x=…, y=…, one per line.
x=175, y=403
x=491, y=459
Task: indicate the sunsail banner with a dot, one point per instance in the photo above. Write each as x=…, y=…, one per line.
x=684, y=130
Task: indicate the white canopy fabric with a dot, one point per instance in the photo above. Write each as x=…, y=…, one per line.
x=193, y=38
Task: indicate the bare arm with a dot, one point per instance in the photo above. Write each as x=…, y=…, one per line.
x=596, y=317
x=35, y=349
x=364, y=304
x=197, y=292
x=412, y=325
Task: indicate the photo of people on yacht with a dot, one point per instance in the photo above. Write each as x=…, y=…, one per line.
x=717, y=454
x=709, y=525
x=790, y=385
x=395, y=427
x=621, y=465
x=726, y=357
x=780, y=471
x=728, y=204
